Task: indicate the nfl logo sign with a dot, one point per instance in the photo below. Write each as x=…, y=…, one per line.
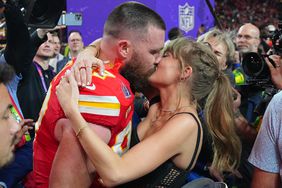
x=186, y=17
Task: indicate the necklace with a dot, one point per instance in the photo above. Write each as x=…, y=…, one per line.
x=171, y=111
x=163, y=115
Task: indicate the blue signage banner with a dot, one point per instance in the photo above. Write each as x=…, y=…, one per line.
x=188, y=15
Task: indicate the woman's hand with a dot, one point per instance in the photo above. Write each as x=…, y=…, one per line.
x=85, y=62
x=68, y=94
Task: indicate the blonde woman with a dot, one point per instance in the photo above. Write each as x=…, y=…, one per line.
x=168, y=141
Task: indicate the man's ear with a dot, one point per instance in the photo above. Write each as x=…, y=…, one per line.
x=187, y=72
x=124, y=48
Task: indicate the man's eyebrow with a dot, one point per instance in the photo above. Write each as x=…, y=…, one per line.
x=154, y=51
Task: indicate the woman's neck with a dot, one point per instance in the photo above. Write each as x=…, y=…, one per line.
x=173, y=100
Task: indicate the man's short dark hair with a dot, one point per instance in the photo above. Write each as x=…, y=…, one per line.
x=75, y=31
x=132, y=16
x=6, y=73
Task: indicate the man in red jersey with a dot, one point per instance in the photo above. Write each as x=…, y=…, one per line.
x=132, y=40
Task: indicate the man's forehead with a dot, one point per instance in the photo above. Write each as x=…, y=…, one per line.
x=74, y=36
x=248, y=30
x=156, y=37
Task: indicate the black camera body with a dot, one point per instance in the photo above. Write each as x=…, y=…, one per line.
x=277, y=40
x=256, y=69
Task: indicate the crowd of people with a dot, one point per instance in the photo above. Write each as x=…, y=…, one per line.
x=233, y=13
x=61, y=112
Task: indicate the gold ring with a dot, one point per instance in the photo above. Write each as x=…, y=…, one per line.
x=82, y=68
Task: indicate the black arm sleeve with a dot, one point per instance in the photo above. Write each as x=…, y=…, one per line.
x=18, y=51
x=36, y=42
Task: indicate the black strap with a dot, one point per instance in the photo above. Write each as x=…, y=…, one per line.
x=198, y=136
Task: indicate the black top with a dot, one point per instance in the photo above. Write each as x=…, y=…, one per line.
x=31, y=93
x=168, y=175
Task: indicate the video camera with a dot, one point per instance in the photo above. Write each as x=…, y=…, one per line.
x=46, y=13
x=254, y=65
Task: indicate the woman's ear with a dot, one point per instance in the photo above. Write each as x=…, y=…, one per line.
x=124, y=48
x=187, y=72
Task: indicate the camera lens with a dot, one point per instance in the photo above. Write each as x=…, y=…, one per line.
x=254, y=65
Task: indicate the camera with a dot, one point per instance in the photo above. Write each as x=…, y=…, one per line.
x=254, y=65
x=277, y=40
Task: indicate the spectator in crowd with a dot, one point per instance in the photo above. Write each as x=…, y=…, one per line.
x=266, y=153
x=201, y=30
x=223, y=47
x=247, y=118
x=192, y=73
x=247, y=40
x=18, y=53
x=233, y=13
x=36, y=79
x=59, y=60
x=75, y=44
x=174, y=33
x=9, y=126
x=122, y=45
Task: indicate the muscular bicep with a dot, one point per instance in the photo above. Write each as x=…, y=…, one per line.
x=63, y=126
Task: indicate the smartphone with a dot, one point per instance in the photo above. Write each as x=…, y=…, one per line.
x=70, y=19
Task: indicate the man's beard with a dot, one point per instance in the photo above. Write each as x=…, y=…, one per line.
x=134, y=72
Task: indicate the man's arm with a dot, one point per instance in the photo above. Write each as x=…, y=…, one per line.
x=275, y=70
x=17, y=52
x=263, y=179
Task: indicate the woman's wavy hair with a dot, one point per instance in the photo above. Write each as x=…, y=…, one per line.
x=209, y=82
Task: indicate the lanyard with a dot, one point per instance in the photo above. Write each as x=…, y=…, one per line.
x=18, y=117
x=16, y=112
x=41, y=77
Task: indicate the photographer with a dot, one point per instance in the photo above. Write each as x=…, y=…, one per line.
x=257, y=90
x=247, y=40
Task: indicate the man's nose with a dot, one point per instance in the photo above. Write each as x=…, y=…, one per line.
x=158, y=59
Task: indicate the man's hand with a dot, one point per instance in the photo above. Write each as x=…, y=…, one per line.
x=275, y=70
x=41, y=32
x=26, y=124
x=236, y=99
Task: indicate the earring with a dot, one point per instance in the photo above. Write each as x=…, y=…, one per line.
x=183, y=79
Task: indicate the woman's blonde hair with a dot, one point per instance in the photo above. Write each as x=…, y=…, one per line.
x=220, y=37
x=209, y=82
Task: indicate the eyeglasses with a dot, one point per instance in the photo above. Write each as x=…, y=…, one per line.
x=15, y=114
x=247, y=37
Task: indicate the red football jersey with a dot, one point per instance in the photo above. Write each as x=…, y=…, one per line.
x=107, y=101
